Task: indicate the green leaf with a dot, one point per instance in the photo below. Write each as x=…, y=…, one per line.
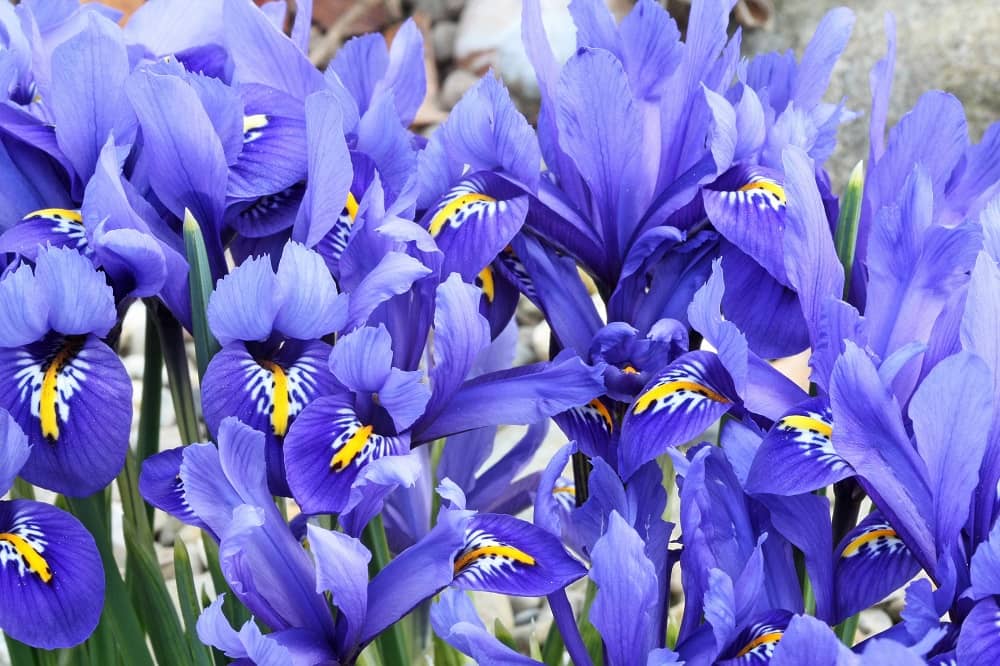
x=446, y=655
x=392, y=642
x=175, y=359
x=205, y=344
x=591, y=637
x=188, y=600
x=235, y=612
x=118, y=615
x=20, y=654
x=503, y=634
x=846, y=238
x=554, y=648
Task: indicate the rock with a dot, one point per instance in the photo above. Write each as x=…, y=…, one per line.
x=521, y=604
x=527, y=616
x=434, y=9
x=456, y=84
x=540, y=337
x=489, y=35
x=946, y=45
x=455, y=7
x=493, y=607
x=133, y=335
x=443, y=36
x=523, y=353
x=873, y=621
x=528, y=313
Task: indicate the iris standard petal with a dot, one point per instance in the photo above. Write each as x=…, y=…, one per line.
x=243, y=305
x=624, y=608
x=73, y=398
x=310, y=305
x=362, y=359
x=24, y=311
x=88, y=79
x=325, y=451
x=342, y=570
x=675, y=406
x=51, y=579
x=79, y=299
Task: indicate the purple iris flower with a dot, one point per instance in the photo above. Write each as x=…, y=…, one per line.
x=380, y=410
x=51, y=578
x=224, y=490
x=271, y=324
x=66, y=388
x=627, y=179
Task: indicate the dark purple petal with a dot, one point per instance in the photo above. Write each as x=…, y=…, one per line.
x=266, y=393
x=416, y=574
x=51, y=579
x=326, y=450
x=505, y=555
x=73, y=398
x=807, y=640
x=676, y=406
x=273, y=144
x=872, y=562
x=978, y=642
x=797, y=454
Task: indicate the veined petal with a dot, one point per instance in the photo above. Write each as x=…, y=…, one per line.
x=808, y=640
x=310, y=305
x=362, y=359
x=73, y=398
x=326, y=450
x=676, y=406
x=160, y=484
x=624, y=609
x=59, y=227
x=872, y=562
x=591, y=426
x=14, y=450
x=268, y=393
x=243, y=305
x=797, y=454
x=51, y=579
x=756, y=643
x=978, y=642
x=342, y=570
x=505, y=555
x=79, y=299
x=474, y=221
x=748, y=206
x=274, y=144
x=24, y=312
x=455, y=622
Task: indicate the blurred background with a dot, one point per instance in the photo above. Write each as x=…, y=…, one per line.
x=953, y=45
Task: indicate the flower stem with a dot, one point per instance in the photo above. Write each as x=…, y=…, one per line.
x=392, y=642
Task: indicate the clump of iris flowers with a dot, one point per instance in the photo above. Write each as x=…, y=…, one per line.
x=350, y=289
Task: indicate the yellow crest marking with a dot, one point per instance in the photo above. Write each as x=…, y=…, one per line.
x=569, y=490
x=350, y=450
x=855, y=544
x=71, y=215
x=453, y=206
x=768, y=186
x=352, y=206
x=630, y=370
x=503, y=551
x=800, y=422
x=36, y=563
x=47, y=413
x=279, y=399
x=489, y=289
x=603, y=411
x=669, y=388
x=763, y=639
